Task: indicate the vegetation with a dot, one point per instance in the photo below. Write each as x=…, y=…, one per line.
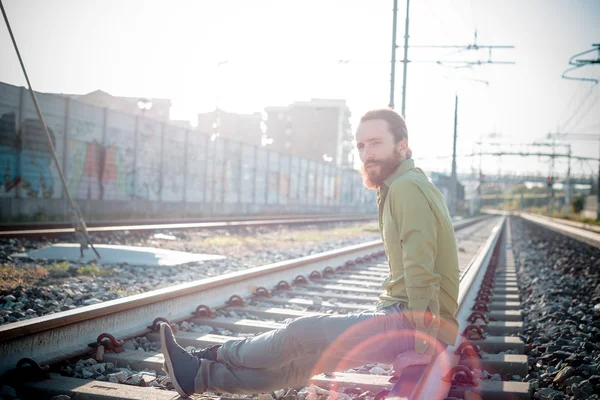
x=315, y=234
x=12, y=276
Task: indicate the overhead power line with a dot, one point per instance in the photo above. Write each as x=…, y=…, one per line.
x=579, y=63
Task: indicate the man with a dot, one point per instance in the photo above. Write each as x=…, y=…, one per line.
x=413, y=320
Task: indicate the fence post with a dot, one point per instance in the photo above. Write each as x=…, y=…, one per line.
x=134, y=172
x=205, y=145
x=241, y=173
x=65, y=162
x=278, y=179
x=224, y=176
x=161, y=175
x=185, y=169
x=300, y=188
x=289, y=179
x=268, y=169
x=103, y=148
x=20, y=143
x=213, y=176
x=254, y=170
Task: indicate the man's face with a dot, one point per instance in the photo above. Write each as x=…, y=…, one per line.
x=378, y=151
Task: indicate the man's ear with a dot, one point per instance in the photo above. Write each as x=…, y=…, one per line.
x=402, y=147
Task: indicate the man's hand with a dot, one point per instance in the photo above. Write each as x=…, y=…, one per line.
x=410, y=358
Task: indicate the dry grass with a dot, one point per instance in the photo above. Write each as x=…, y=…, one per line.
x=240, y=246
x=12, y=276
x=297, y=237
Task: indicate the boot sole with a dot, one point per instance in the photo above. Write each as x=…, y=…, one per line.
x=169, y=363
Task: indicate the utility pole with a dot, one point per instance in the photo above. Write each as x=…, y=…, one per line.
x=394, y=46
x=576, y=64
x=479, y=189
x=454, y=183
x=405, y=61
x=586, y=137
x=568, y=188
x=551, y=183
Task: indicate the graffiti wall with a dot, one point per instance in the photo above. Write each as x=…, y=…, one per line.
x=106, y=155
x=260, y=178
x=233, y=156
x=196, y=168
x=119, y=149
x=248, y=173
x=147, y=182
x=85, y=147
x=284, y=179
x=26, y=163
x=173, y=165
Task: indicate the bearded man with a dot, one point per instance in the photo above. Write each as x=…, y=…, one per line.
x=412, y=321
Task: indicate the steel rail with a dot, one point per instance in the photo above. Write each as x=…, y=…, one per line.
x=566, y=228
x=14, y=230
x=63, y=335
x=431, y=385
x=163, y=221
x=66, y=334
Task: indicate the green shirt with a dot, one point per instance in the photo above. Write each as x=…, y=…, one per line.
x=420, y=244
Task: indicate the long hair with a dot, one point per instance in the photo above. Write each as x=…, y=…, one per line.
x=396, y=124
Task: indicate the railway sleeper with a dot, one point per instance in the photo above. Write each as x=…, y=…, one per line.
x=355, y=282
x=239, y=325
x=317, y=286
x=273, y=312
x=364, y=272
x=498, y=304
x=139, y=361
x=505, y=289
x=336, y=296
x=368, y=278
x=503, y=364
x=89, y=390
x=496, y=390
x=499, y=328
x=312, y=303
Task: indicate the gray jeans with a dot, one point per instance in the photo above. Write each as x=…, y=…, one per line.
x=291, y=355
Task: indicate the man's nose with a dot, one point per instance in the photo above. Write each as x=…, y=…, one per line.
x=368, y=153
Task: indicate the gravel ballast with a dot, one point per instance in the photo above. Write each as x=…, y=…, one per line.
x=34, y=288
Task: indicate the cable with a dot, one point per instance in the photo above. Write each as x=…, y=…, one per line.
x=577, y=109
x=586, y=112
x=76, y=218
x=571, y=101
x=582, y=63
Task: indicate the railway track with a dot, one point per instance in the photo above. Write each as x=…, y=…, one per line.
x=257, y=300
x=60, y=228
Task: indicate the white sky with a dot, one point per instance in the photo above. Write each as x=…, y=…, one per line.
x=280, y=51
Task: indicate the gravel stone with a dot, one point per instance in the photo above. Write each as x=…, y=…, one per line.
x=65, y=288
x=559, y=279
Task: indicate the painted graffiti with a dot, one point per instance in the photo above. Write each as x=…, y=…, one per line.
x=85, y=169
x=108, y=155
x=25, y=157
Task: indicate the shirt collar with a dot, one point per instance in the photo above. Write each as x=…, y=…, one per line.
x=403, y=168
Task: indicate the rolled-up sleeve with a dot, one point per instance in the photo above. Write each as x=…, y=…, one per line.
x=416, y=225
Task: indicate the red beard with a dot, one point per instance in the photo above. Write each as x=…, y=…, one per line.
x=386, y=168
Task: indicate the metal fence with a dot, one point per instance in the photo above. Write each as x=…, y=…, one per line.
x=119, y=164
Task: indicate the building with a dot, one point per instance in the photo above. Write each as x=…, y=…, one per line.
x=318, y=129
x=444, y=184
x=245, y=128
x=159, y=109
